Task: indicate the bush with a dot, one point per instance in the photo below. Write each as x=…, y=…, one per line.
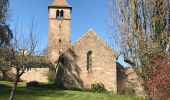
x=51, y=76
x=98, y=87
x=33, y=84
x=1, y=78
x=129, y=89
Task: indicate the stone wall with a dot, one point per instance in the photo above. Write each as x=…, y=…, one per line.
x=103, y=70
x=121, y=78
x=35, y=74
x=132, y=78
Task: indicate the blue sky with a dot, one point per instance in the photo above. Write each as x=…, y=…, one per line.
x=86, y=14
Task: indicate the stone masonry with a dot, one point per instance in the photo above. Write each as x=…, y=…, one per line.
x=90, y=60
x=74, y=70
x=59, y=29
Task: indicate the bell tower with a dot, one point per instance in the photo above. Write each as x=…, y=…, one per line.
x=59, y=28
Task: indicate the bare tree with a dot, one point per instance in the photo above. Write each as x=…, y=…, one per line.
x=142, y=33
x=137, y=22
x=23, y=54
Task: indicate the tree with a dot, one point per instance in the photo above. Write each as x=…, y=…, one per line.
x=159, y=78
x=5, y=32
x=143, y=33
x=22, y=54
x=4, y=62
x=5, y=37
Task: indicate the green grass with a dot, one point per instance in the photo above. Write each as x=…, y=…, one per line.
x=49, y=92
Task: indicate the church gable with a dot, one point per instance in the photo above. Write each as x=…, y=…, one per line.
x=91, y=40
x=96, y=60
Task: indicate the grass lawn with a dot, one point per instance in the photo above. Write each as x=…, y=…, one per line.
x=49, y=92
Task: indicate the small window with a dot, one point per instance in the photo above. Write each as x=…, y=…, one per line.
x=89, y=60
x=62, y=14
x=59, y=40
x=59, y=52
x=57, y=14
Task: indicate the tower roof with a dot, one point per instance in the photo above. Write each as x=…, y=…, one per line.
x=60, y=3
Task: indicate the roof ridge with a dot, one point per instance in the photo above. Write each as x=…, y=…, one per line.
x=84, y=35
x=106, y=44
x=95, y=34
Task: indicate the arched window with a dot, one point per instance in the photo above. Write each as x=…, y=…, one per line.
x=57, y=14
x=89, y=60
x=61, y=14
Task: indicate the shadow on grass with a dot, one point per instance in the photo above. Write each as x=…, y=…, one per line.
x=4, y=86
x=50, y=92
x=34, y=93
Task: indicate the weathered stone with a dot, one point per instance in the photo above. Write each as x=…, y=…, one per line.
x=59, y=29
x=73, y=69
x=74, y=73
x=31, y=74
x=133, y=78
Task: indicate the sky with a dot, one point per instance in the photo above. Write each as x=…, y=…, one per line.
x=86, y=14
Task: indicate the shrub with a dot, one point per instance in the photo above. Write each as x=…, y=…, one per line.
x=33, y=84
x=98, y=87
x=51, y=76
x=1, y=78
x=158, y=78
x=129, y=89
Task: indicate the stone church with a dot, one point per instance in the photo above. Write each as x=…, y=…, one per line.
x=88, y=61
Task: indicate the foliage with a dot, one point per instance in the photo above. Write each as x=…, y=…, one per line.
x=5, y=32
x=98, y=87
x=47, y=92
x=4, y=61
x=158, y=80
x=144, y=37
x=51, y=76
x=128, y=89
x=3, y=10
x=33, y=84
x=5, y=37
x=1, y=78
